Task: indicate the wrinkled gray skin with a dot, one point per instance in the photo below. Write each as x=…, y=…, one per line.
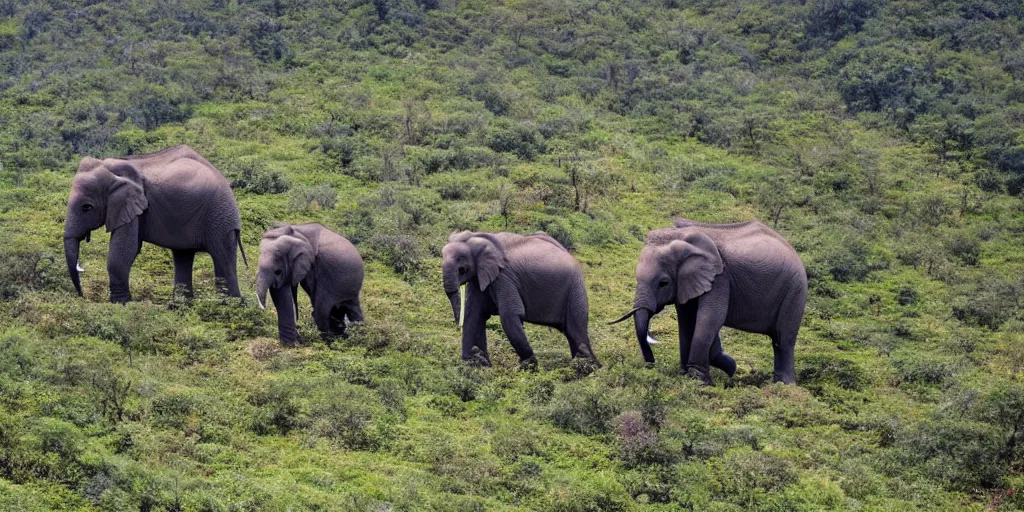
x=529, y=278
x=172, y=198
x=324, y=263
x=744, y=276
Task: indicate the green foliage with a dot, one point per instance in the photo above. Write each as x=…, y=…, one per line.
x=318, y=197
x=881, y=139
x=256, y=177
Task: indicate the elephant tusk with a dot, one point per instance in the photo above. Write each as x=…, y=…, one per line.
x=462, y=306
x=651, y=340
x=260, y=302
x=623, y=317
x=79, y=267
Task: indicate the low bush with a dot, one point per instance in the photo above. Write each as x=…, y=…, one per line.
x=817, y=370
x=583, y=407
x=965, y=247
x=317, y=197
x=277, y=409
x=351, y=416
x=256, y=177
x=745, y=478
x=958, y=454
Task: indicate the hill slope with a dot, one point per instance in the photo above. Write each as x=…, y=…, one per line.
x=885, y=140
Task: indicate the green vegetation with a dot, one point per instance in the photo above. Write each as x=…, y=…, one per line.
x=884, y=139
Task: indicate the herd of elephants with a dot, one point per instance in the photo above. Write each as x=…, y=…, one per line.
x=744, y=275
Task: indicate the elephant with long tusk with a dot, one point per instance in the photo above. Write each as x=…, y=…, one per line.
x=744, y=276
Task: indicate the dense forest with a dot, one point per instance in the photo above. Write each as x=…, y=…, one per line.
x=883, y=138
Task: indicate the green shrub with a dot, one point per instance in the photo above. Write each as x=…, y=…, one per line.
x=958, y=454
x=177, y=409
x=510, y=137
x=917, y=369
x=906, y=296
x=277, y=410
x=966, y=248
x=317, y=197
x=583, y=407
x=400, y=252
x=340, y=148
x=23, y=270
x=818, y=370
x=256, y=177
x=351, y=416
x=638, y=440
x=992, y=302
x=588, y=492
x=744, y=478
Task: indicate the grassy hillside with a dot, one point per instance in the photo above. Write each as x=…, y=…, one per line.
x=884, y=139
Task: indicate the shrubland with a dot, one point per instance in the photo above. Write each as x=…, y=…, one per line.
x=883, y=139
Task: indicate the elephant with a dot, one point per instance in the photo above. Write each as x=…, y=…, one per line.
x=743, y=275
x=172, y=198
x=530, y=278
x=324, y=263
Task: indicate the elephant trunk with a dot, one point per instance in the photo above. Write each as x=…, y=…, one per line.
x=642, y=323
x=643, y=309
x=451, y=289
x=261, y=290
x=284, y=302
x=71, y=246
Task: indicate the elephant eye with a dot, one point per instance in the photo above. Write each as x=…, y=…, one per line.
x=663, y=283
x=462, y=270
x=86, y=207
x=277, y=272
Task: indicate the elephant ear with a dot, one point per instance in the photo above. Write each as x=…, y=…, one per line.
x=490, y=259
x=126, y=197
x=698, y=263
x=302, y=259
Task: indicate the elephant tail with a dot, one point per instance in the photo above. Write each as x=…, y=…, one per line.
x=238, y=238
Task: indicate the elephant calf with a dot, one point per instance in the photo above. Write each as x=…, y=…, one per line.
x=324, y=263
x=744, y=276
x=520, y=278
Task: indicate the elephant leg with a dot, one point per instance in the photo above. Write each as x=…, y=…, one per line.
x=721, y=360
x=355, y=312
x=474, y=334
x=225, y=266
x=124, y=247
x=787, y=326
x=711, y=312
x=322, y=319
x=513, y=327
x=337, y=320
x=183, y=261
x=576, y=333
x=285, y=305
x=686, y=316
x=784, y=370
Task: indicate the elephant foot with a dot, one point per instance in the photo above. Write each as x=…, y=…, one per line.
x=701, y=375
x=725, y=363
x=529, y=364
x=785, y=378
x=584, y=366
x=478, y=358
